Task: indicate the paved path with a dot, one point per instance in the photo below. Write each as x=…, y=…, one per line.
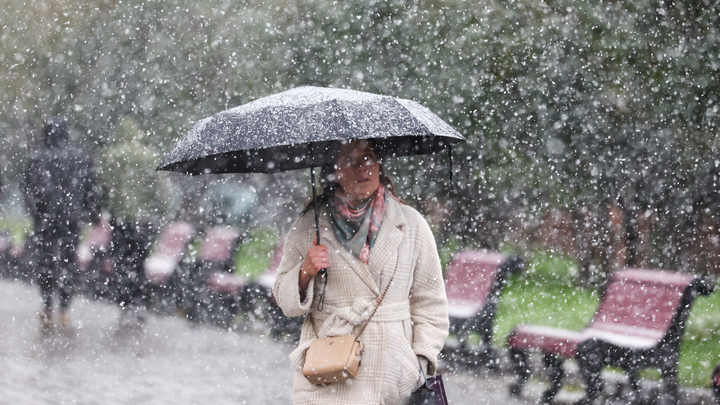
x=171, y=362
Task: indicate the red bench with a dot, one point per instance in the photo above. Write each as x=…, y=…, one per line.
x=639, y=324
x=94, y=261
x=473, y=283
x=273, y=316
x=171, y=248
x=716, y=382
x=96, y=243
x=217, y=257
x=219, y=245
x=211, y=292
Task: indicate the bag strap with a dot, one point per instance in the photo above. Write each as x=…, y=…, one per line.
x=377, y=304
x=422, y=372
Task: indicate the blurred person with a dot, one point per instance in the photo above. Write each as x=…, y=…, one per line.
x=137, y=198
x=61, y=195
x=371, y=239
x=129, y=248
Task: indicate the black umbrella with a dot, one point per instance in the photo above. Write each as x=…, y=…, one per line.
x=295, y=128
x=298, y=128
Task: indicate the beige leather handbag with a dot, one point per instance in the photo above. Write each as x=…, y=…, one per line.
x=335, y=359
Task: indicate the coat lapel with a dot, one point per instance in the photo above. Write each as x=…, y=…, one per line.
x=384, y=255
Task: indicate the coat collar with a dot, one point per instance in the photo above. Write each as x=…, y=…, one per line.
x=383, y=255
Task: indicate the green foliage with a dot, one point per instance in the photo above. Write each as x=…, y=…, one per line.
x=16, y=228
x=700, y=351
x=544, y=295
x=562, y=103
x=448, y=249
x=543, y=267
x=134, y=190
x=254, y=255
x=164, y=64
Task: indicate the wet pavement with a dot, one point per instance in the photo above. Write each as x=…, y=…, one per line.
x=171, y=361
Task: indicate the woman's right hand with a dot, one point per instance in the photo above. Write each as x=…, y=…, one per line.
x=317, y=258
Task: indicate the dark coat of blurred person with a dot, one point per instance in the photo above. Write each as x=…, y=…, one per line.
x=61, y=196
x=137, y=198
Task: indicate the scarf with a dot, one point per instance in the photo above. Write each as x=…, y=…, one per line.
x=356, y=228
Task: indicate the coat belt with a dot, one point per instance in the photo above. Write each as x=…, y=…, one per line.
x=386, y=312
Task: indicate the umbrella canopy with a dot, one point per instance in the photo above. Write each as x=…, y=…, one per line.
x=295, y=129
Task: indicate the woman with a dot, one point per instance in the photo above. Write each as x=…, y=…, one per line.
x=367, y=235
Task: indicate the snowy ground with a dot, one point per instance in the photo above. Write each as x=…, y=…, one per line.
x=171, y=362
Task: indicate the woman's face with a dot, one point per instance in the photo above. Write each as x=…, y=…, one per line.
x=357, y=171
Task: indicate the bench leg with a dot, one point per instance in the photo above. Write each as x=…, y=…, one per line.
x=634, y=381
x=671, y=385
x=591, y=363
x=556, y=373
x=519, y=358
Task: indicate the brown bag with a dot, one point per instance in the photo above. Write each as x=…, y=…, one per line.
x=335, y=359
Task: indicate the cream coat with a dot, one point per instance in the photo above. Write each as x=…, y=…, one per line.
x=411, y=321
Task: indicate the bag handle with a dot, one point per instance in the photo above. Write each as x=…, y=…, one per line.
x=377, y=304
x=422, y=372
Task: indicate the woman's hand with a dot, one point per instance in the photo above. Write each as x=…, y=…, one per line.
x=317, y=258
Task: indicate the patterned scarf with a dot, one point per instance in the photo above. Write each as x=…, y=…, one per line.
x=357, y=227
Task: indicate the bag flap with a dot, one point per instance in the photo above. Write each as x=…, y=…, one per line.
x=330, y=353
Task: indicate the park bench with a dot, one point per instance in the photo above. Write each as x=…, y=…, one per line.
x=164, y=264
x=97, y=241
x=639, y=324
x=171, y=249
x=716, y=382
x=213, y=293
x=94, y=261
x=262, y=295
x=473, y=283
x=5, y=245
x=18, y=259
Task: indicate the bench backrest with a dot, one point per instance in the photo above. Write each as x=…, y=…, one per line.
x=470, y=275
x=170, y=249
x=97, y=239
x=100, y=234
x=219, y=244
x=174, y=240
x=267, y=279
x=641, y=300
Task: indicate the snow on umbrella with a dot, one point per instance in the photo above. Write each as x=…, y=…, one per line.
x=295, y=129
x=300, y=128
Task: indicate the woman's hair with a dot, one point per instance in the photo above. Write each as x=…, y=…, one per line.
x=329, y=185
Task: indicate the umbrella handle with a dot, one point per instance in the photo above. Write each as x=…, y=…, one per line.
x=323, y=272
x=317, y=215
